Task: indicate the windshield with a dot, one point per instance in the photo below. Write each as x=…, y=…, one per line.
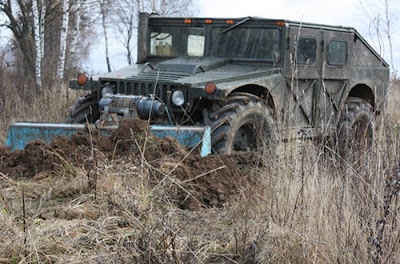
x=176, y=41
x=246, y=43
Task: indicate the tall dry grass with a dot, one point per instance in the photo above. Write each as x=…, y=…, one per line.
x=307, y=206
x=303, y=208
x=20, y=101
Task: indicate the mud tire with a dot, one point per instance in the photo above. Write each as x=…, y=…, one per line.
x=85, y=109
x=242, y=122
x=356, y=131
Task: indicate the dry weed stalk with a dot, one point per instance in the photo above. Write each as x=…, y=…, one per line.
x=297, y=207
x=380, y=239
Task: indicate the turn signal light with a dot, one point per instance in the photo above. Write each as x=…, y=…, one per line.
x=210, y=88
x=82, y=79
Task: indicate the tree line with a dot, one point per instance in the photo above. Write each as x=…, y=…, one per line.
x=50, y=39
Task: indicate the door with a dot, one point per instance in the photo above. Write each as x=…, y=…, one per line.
x=335, y=77
x=303, y=71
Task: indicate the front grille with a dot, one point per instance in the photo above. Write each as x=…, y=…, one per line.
x=144, y=83
x=142, y=88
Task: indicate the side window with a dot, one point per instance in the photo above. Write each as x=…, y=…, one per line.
x=306, y=50
x=337, y=52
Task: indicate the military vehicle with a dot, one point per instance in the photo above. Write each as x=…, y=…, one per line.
x=251, y=80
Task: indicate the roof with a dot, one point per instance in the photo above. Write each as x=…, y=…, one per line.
x=287, y=22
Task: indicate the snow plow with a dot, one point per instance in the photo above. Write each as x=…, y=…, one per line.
x=21, y=133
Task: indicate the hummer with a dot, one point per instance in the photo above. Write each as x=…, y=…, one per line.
x=251, y=81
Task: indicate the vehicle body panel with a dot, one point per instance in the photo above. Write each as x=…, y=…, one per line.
x=305, y=95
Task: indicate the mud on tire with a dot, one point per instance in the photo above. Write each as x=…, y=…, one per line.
x=356, y=130
x=242, y=122
x=85, y=109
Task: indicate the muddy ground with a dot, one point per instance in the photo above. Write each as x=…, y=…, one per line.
x=202, y=182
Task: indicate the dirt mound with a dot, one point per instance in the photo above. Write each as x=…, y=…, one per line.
x=199, y=182
x=35, y=158
x=213, y=180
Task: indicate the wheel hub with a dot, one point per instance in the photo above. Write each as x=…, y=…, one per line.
x=245, y=138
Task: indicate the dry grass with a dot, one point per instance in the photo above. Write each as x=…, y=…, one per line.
x=20, y=102
x=300, y=207
x=301, y=210
x=394, y=102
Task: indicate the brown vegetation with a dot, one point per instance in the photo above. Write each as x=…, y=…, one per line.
x=19, y=102
x=132, y=198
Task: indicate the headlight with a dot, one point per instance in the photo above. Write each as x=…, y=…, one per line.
x=178, y=98
x=107, y=91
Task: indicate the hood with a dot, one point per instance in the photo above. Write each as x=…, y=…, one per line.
x=199, y=70
x=192, y=65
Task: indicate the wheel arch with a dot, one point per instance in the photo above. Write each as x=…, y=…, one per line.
x=364, y=92
x=259, y=91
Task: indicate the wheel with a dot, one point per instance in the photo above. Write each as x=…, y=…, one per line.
x=85, y=109
x=241, y=122
x=356, y=130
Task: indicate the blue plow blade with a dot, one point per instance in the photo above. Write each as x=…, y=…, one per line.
x=21, y=133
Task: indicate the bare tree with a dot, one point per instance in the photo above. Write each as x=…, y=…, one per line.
x=76, y=10
x=63, y=39
x=83, y=18
x=36, y=24
x=56, y=25
x=38, y=42
x=389, y=20
x=172, y=7
x=42, y=20
x=125, y=17
x=104, y=12
x=383, y=17
x=20, y=22
x=125, y=23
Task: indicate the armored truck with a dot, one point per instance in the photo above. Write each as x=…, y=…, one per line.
x=253, y=81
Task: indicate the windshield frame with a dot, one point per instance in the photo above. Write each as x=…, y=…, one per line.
x=220, y=23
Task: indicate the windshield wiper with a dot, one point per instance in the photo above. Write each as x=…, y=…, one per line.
x=234, y=26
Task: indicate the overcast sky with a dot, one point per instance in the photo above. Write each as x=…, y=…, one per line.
x=308, y=10
x=354, y=13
